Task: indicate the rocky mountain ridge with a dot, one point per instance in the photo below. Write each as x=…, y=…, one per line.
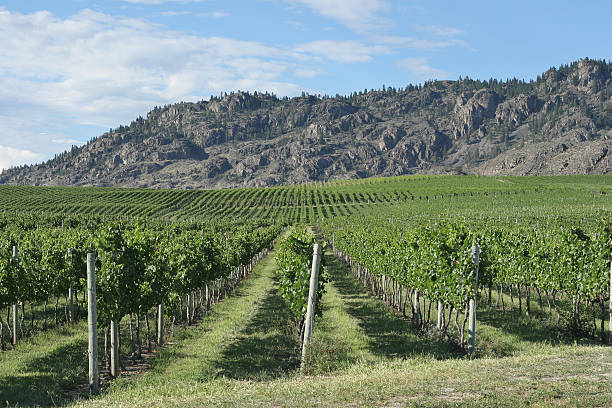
x=559, y=124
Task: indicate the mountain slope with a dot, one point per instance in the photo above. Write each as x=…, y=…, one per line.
x=559, y=124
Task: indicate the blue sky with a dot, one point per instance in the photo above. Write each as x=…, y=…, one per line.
x=72, y=69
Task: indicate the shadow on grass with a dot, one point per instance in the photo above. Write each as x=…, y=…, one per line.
x=531, y=329
x=389, y=334
x=542, y=326
x=47, y=380
x=203, y=324
x=267, y=348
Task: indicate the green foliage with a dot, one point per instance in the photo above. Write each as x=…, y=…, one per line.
x=436, y=259
x=9, y=273
x=294, y=259
x=548, y=232
x=139, y=263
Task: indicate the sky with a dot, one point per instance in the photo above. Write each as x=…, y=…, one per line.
x=70, y=69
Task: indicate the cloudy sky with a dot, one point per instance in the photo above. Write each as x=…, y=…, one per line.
x=72, y=69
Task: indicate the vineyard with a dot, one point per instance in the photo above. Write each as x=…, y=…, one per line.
x=533, y=252
x=559, y=200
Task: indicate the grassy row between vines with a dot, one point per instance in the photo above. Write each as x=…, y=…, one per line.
x=49, y=367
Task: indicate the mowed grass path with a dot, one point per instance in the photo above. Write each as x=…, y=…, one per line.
x=246, y=338
x=357, y=328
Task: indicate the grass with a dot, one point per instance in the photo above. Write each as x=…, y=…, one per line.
x=245, y=338
x=44, y=369
x=246, y=353
x=363, y=354
x=358, y=328
x=566, y=376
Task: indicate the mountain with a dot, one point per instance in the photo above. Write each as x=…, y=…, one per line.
x=560, y=123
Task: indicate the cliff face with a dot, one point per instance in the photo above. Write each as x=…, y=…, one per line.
x=559, y=124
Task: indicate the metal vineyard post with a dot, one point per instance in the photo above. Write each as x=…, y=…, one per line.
x=114, y=332
x=610, y=303
x=71, y=296
x=160, y=321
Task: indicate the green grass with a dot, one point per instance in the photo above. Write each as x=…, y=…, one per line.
x=567, y=376
x=358, y=328
x=247, y=337
x=46, y=368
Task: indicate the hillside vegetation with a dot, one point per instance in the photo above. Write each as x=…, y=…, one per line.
x=560, y=123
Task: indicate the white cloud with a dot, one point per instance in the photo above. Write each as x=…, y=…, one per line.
x=296, y=24
x=15, y=157
x=99, y=69
x=420, y=68
x=67, y=141
x=343, y=51
x=214, y=14
x=418, y=43
x=174, y=13
x=441, y=30
x=357, y=15
x=307, y=72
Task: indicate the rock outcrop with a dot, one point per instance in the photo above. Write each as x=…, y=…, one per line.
x=559, y=124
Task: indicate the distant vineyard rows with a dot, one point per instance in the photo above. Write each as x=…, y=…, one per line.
x=553, y=200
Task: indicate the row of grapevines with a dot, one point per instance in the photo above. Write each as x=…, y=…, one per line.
x=139, y=264
x=294, y=259
x=436, y=260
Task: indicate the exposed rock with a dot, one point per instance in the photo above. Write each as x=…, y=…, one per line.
x=514, y=111
x=550, y=158
x=389, y=136
x=471, y=110
x=560, y=124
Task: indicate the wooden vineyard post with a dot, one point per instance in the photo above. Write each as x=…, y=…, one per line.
x=16, y=305
x=71, y=297
x=312, y=299
x=92, y=323
x=114, y=332
x=472, y=326
x=160, y=322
